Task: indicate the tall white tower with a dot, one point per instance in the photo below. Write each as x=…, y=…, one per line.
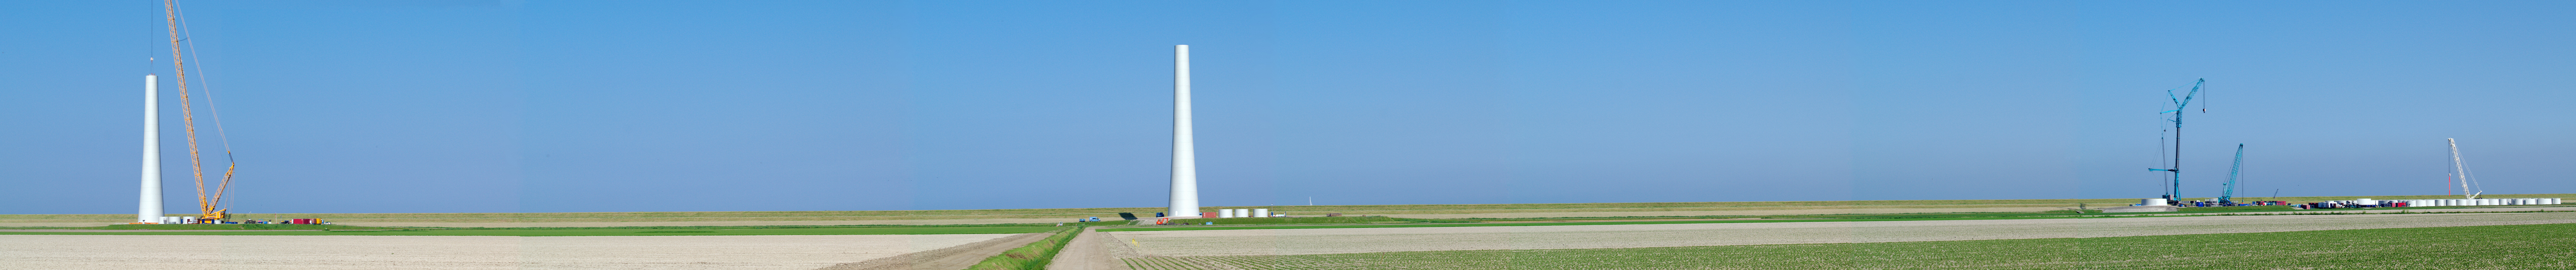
x=1185, y=168
x=148, y=209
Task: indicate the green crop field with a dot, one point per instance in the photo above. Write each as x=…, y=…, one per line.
x=2543, y=246
x=1221, y=227
x=1809, y=218
x=610, y=232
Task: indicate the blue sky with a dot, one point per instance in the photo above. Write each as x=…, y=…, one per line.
x=568, y=106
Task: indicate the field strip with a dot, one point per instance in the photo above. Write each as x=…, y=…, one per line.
x=783, y=252
x=1830, y=211
x=1365, y=240
x=1088, y=251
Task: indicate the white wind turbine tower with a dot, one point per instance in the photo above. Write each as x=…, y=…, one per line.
x=148, y=209
x=1185, y=171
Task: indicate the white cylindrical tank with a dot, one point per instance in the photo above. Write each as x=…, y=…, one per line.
x=2155, y=201
x=1242, y=212
x=1228, y=213
x=2554, y=201
x=2365, y=201
x=1260, y=212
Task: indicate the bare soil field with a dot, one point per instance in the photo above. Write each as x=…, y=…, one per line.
x=1364, y=240
x=796, y=252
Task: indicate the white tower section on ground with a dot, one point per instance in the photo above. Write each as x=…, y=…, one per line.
x=149, y=208
x=1185, y=168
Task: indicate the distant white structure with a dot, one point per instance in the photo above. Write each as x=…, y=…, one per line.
x=1185, y=171
x=148, y=209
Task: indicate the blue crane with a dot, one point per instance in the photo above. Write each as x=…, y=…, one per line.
x=2228, y=195
x=2174, y=189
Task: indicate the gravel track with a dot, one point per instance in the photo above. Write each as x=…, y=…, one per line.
x=797, y=252
x=1363, y=240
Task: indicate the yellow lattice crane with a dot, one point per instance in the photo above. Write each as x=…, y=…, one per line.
x=206, y=205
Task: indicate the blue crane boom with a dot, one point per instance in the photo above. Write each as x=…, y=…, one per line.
x=2228, y=196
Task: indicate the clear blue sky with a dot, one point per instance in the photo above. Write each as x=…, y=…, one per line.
x=560, y=106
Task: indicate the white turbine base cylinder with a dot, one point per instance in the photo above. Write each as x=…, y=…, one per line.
x=1260, y=212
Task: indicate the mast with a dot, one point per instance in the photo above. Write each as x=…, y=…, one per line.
x=2458, y=170
x=2174, y=189
x=148, y=208
x=1185, y=171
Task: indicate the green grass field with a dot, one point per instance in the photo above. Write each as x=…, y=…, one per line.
x=2544, y=246
x=1310, y=220
x=1035, y=255
x=2238, y=208
x=1221, y=227
x=613, y=232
